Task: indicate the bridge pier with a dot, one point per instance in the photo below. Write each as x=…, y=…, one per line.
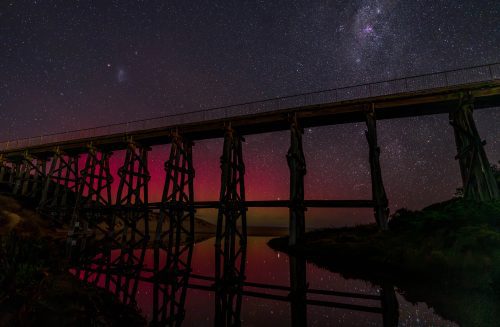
x=129, y=226
x=231, y=236
x=17, y=178
x=477, y=176
x=39, y=178
x=30, y=175
x=26, y=179
x=93, y=202
x=297, y=166
x=379, y=196
x=61, y=183
x=3, y=169
x=173, y=246
x=14, y=171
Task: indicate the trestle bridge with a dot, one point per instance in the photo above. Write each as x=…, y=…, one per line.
x=46, y=168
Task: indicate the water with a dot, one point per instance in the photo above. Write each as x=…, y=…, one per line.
x=265, y=305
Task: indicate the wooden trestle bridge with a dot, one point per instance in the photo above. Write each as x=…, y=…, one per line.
x=46, y=168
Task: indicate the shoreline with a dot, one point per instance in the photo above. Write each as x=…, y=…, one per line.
x=447, y=255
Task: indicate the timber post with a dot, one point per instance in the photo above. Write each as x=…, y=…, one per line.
x=131, y=235
x=13, y=174
x=381, y=209
x=297, y=166
x=39, y=177
x=93, y=201
x=3, y=169
x=175, y=241
x=28, y=175
x=61, y=183
x=477, y=176
x=231, y=235
x=18, y=177
x=47, y=184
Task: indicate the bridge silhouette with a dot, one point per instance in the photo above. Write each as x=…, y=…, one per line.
x=46, y=167
x=46, y=170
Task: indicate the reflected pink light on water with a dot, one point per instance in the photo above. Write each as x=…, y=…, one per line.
x=263, y=265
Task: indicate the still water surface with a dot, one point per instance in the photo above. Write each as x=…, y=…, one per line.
x=271, y=306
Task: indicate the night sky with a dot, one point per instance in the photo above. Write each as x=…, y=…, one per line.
x=74, y=64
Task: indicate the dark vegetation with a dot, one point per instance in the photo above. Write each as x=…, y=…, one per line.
x=447, y=255
x=36, y=288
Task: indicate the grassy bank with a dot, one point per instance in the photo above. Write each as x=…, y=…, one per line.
x=447, y=255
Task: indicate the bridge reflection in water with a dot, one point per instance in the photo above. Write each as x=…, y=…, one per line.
x=165, y=297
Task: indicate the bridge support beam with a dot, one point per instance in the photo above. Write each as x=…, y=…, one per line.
x=173, y=246
x=231, y=236
x=91, y=215
x=17, y=178
x=40, y=175
x=477, y=176
x=30, y=176
x=379, y=196
x=4, y=170
x=14, y=172
x=129, y=228
x=61, y=183
x=297, y=165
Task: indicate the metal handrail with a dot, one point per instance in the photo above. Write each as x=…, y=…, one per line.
x=386, y=87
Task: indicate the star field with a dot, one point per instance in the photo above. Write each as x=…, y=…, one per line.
x=75, y=64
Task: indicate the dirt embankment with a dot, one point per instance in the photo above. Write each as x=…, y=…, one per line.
x=14, y=217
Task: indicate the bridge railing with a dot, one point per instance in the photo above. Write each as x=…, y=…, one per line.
x=401, y=85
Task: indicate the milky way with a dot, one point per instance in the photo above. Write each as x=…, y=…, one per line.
x=68, y=65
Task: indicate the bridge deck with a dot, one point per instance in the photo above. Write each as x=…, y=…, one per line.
x=390, y=99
